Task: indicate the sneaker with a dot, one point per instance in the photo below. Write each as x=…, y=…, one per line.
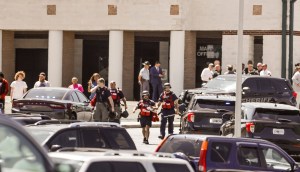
x=161, y=137
x=146, y=142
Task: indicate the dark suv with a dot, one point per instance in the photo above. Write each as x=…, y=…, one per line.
x=277, y=123
x=206, y=113
x=255, y=89
x=207, y=153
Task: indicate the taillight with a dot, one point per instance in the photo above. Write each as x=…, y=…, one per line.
x=57, y=106
x=161, y=143
x=250, y=127
x=202, y=160
x=295, y=94
x=190, y=117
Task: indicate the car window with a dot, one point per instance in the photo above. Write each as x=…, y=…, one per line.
x=248, y=156
x=274, y=114
x=17, y=153
x=163, y=167
x=266, y=85
x=214, y=104
x=81, y=97
x=275, y=160
x=45, y=94
x=220, y=152
x=251, y=84
x=281, y=86
x=222, y=83
x=39, y=134
x=188, y=147
x=66, y=138
x=91, y=138
x=116, y=167
x=118, y=138
x=75, y=97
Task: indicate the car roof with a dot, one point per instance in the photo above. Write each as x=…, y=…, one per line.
x=215, y=97
x=270, y=106
x=53, y=88
x=249, y=76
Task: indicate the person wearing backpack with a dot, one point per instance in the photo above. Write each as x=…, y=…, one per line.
x=117, y=95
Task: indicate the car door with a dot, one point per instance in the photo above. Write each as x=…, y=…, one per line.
x=64, y=138
x=77, y=106
x=87, y=110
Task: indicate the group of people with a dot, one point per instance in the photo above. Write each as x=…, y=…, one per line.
x=214, y=69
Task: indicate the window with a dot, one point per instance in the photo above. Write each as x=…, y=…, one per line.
x=45, y=94
x=275, y=160
x=220, y=152
x=74, y=97
x=213, y=104
x=82, y=98
x=116, y=167
x=92, y=139
x=118, y=138
x=266, y=85
x=251, y=84
x=248, y=156
x=161, y=167
x=17, y=153
x=66, y=138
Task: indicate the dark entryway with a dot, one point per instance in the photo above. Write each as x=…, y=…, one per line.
x=95, y=60
x=144, y=51
x=32, y=62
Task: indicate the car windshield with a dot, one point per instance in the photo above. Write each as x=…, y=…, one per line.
x=39, y=134
x=190, y=148
x=45, y=94
x=222, y=83
x=214, y=104
x=274, y=114
x=76, y=164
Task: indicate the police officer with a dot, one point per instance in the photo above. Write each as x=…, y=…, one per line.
x=146, y=106
x=169, y=102
x=117, y=95
x=103, y=101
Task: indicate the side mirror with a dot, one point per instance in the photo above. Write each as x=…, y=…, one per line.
x=246, y=89
x=55, y=148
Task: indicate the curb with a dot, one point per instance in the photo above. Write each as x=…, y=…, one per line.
x=138, y=125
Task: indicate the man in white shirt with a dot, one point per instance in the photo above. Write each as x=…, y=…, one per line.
x=296, y=84
x=144, y=77
x=265, y=71
x=42, y=82
x=207, y=73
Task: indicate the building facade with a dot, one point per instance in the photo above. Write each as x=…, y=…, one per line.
x=113, y=37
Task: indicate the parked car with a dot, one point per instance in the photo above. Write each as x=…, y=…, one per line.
x=255, y=89
x=120, y=161
x=58, y=103
x=55, y=135
x=207, y=153
x=277, y=123
x=20, y=152
x=206, y=113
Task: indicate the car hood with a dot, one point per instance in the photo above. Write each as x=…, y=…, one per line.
x=205, y=90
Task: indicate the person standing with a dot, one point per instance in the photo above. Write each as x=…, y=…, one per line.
x=265, y=71
x=229, y=70
x=259, y=67
x=75, y=85
x=296, y=84
x=169, y=102
x=3, y=90
x=251, y=70
x=93, y=83
x=217, y=71
x=145, y=106
x=144, y=77
x=117, y=95
x=18, y=87
x=155, y=78
x=207, y=73
x=104, y=102
x=42, y=82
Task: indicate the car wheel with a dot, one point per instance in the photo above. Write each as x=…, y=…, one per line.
x=73, y=116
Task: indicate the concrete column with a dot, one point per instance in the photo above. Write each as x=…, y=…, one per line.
x=177, y=61
x=0, y=50
x=115, y=60
x=55, y=53
x=8, y=66
x=128, y=65
x=68, y=58
x=272, y=53
x=164, y=57
x=78, y=50
x=190, y=60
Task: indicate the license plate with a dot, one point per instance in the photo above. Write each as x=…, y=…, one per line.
x=215, y=121
x=277, y=131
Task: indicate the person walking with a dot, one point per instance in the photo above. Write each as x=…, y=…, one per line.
x=42, y=82
x=169, y=102
x=3, y=90
x=145, y=105
x=117, y=95
x=155, y=79
x=144, y=77
x=296, y=84
x=93, y=83
x=207, y=73
x=75, y=85
x=265, y=71
x=104, y=102
x=18, y=87
x=229, y=70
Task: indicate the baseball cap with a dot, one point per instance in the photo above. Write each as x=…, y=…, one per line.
x=42, y=74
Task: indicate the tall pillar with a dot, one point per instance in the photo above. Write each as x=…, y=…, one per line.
x=115, y=68
x=0, y=50
x=177, y=61
x=190, y=60
x=8, y=55
x=55, y=53
x=164, y=58
x=68, y=58
x=128, y=65
x=272, y=53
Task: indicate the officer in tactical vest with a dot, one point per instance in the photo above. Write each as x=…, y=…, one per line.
x=117, y=95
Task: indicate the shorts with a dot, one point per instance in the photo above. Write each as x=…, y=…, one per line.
x=146, y=120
